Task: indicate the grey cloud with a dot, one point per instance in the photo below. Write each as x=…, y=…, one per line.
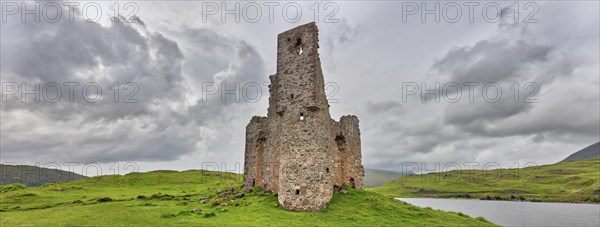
x=84, y=52
x=491, y=61
x=341, y=35
x=506, y=58
x=211, y=57
x=169, y=121
x=538, y=138
x=481, y=130
x=467, y=113
x=383, y=107
x=346, y=34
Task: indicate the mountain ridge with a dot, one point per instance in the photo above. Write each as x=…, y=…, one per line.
x=33, y=176
x=589, y=152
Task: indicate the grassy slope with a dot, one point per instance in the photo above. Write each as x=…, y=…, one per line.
x=576, y=181
x=77, y=203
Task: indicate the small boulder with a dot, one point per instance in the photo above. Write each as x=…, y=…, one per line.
x=197, y=210
x=343, y=191
x=239, y=195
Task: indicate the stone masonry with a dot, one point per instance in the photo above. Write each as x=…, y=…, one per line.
x=298, y=151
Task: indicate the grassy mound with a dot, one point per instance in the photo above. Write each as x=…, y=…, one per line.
x=576, y=181
x=199, y=198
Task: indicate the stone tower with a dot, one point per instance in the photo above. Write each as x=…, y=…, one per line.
x=298, y=151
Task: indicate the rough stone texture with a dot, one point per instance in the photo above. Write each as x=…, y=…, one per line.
x=298, y=151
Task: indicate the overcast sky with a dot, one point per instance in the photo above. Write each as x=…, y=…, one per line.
x=368, y=50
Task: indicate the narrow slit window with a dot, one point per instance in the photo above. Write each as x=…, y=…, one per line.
x=297, y=191
x=327, y=170
x=302, y=116
x=299, y=46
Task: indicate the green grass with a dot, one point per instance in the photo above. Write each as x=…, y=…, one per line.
x=170, y=197
x=575, y=181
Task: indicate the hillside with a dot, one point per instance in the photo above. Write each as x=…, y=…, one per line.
x=375, y=178
x=576, y=181
x=34, y=175
x=200, y=198
x=590, y=152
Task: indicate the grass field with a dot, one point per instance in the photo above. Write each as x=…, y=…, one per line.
x=170, y=198
x=575, y=181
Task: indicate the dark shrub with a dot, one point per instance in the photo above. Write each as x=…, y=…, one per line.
x=167, y=215
x=105, y=199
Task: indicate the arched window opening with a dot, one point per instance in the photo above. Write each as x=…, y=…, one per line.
x=341, y=142
x=299, y=46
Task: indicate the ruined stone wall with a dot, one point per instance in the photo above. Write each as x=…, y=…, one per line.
x=298, y=151
x=351, y=154
x=261, y=165
x=256, y=135
x=301, y=105
x=346, y=152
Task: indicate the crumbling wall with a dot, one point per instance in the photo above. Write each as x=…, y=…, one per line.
x=261, y=165
x=346, y=152
x=350, y=154
x=304, y=181
x=298, y=151
x=256, y=136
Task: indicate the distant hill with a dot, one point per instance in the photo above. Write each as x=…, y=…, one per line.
x=34, y=175
x=574, y=181
x=375, y=178
x=590, y=152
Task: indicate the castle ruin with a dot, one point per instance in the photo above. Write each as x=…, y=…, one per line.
x=297, y=150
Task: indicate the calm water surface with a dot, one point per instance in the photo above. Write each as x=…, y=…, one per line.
x=509, y=213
